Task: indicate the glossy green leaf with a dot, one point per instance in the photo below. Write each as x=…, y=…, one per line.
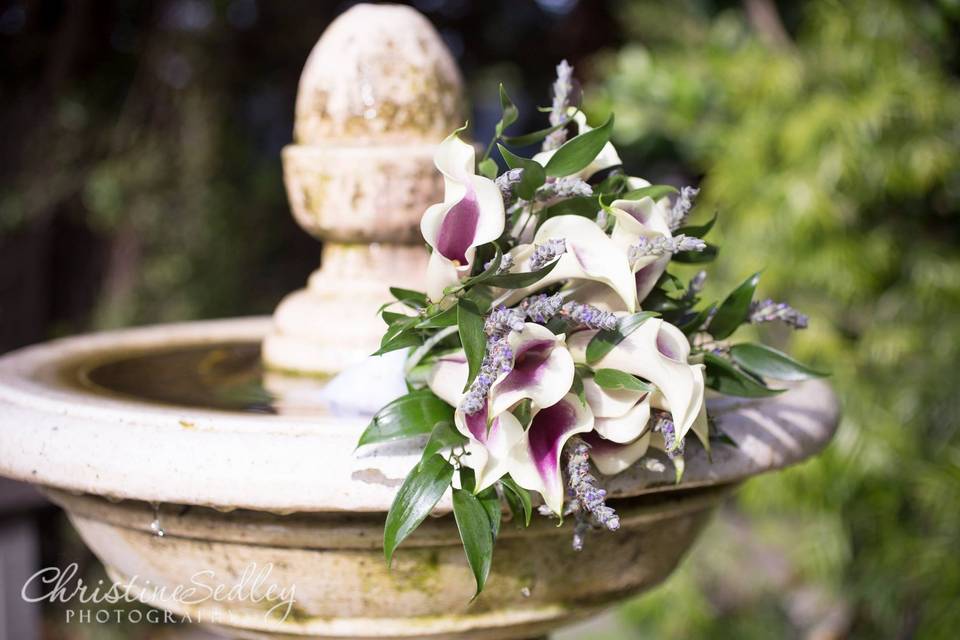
x=520, y=280
x=439, y=320
x=577, y=153
x=654, y=192
x=509, y=111
x=722, y=376
x=616, y=379
x=474, y=527
x=417, y=496
x=531, y=178
x=491, y=504
x=413, y=299
x=399, y=340
x=521, y=495
x=733, y=311
x=695, y=322
x=770, y=363
x=391, y=316
x=531, y=138
x=443, y=435
x=472, y=337
x=698, y=230
x=411, y=415
x=697, y=257
x=604, y=341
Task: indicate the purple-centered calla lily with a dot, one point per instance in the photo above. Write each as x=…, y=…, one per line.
x=636, y=219
x=471, y=214
x=542, y=372
x=591, y=256
x=531, y=456
x=656, y=351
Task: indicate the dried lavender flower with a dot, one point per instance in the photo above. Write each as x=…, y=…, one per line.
x=546, y=252
x=507, y=182
x=506, y=263
x=681, y=208
x=587, y=498
x=498, y=359
x=660, y=245
x=562, y=188
x=589, y=316
x=664, y=424
x=502, y=321
x=559, y=112
x=770, y=311
x=541, y=308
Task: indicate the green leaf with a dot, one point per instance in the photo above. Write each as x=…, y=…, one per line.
x=722, y=376
x=577, y=153
x=523, y=412
x=472, y=337
x=604, y=341
x=733, y=311
x=417, y=496
x=531, y=138
x=697, y=257
x=487, y=168
x=440, y=320
x=491, y=504
x=578, y=389
x=699, y=230
x=520, y=280
x=509, y=111
x=474, y=526
x=413, y=299
x=616, y=379
x=511, y=487
x=654, y=192
x=443, y=435
x=696, y=321
x=391, y=316
x=400, y=340
x=532, y=177
x=411, y=415
x=768, y=362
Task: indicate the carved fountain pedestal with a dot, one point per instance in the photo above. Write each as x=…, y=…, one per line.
x=170, y=430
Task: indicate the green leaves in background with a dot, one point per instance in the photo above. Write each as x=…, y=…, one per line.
x=615, y=379
x=735, y=308
x=604, y=341
x=420, y=492
x=474, y=526
x=414, y=414
x=765, y=361
x=722, y=376
x=474, y=340
x=577, y=153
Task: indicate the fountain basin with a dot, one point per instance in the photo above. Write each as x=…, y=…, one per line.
x=250, y=468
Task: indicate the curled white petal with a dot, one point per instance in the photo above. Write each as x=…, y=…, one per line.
x=542, y=370
x=448, y=376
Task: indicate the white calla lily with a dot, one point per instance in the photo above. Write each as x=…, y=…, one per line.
x=656, y=351
x=490, y=447
x=591, y=255
x=612, y=458
x=542, y=370
x=448, y=376
x=610, y=403
x=535, y=460
x=470, y=215
x=636, y=219
x=628, y=427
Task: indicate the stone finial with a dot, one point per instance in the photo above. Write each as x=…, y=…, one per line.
x=379, y=91
x=379, y=74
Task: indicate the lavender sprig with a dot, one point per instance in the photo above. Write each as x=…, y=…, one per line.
x=556, y=189
x=660, y=245
x=587, y=498
x=589, y=316
x=498, y=359
x=541, y=308
x=770, y=311
x=546, y=252
x=506, y=263
x=507, y=182
x=559, y=112
x=681, y=208
x=664, y=424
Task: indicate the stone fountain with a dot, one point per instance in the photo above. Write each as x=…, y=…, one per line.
x=185, y=453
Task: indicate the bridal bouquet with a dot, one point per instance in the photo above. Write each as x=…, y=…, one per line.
x=552, y=342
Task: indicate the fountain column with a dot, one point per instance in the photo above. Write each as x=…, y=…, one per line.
x=379, y=91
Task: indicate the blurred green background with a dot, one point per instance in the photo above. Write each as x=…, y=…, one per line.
x=141, y=183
